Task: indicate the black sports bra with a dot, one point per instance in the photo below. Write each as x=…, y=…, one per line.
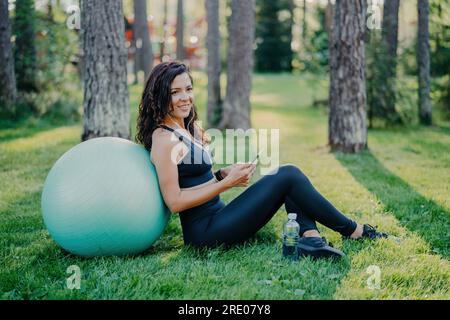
x=195, y=167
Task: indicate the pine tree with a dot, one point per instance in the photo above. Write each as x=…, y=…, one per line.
x=389, y=44
x=8, y=90
x=214, y=64
x=106, y=107
x=347, y=130
x=25, y=49
x=236, y=107
x=180, y=30
x=144, y=52
x=274, y=21
x=423, y=61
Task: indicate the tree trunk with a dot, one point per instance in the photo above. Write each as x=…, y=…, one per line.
x=144, y=52
x=106, y=107
x=50, y=10
x=390, y=43
x=8, y=90
x=236, y=108
x=390, y=27
x=304, y=25
x=180, y=31
x=136, y=67
x=24, y=49
x=423, y=62
x=347, y=118
x=164, y=29
x=214, y=67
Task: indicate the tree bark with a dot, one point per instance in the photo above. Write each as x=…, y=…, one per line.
x=106, y=107
x=164, y=29
x=347, y=119
x=136, y=67
x=304, y=25
x=214, y=67
x=49, y=10
x=180, y=30
x=236, y=108
x=390, y=44
x=8, y=89
x=423, y=62
x=390, y=27
x=24, y=49
x=144, y=52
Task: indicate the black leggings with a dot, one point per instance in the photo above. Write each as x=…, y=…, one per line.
x=251, y=210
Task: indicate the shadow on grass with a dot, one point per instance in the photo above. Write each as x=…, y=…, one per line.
x=414, y=211
x=442, y=129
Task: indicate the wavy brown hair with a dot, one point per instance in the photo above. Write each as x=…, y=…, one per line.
x=156, y=102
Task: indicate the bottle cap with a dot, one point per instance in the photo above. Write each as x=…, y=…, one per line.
x=292, y=216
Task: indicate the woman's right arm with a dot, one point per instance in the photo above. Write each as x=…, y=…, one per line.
x=177, y=199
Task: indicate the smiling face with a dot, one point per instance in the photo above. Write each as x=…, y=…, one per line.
x=182, y=96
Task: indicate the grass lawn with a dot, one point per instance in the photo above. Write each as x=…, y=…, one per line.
x=401, y=184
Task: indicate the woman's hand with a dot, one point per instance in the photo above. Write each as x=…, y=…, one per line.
x=238, y=175
x=226, y=170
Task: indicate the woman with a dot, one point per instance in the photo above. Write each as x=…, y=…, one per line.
x=189, y=186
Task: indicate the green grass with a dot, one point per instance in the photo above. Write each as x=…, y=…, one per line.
x=401, y=184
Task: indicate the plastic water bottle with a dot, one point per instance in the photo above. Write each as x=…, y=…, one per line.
x=290, y=237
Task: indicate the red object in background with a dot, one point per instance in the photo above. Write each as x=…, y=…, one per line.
x=191, y=50
x=129, y=35
x=129, y=31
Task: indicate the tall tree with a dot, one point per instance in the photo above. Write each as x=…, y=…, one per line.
x=136, y=66
x=241, y=29
x=347, y=130
x=214, y=65
x=8, y=90
x=25, y=49
x=439, y=33
x=50, y=10
x=274, y=21
x=304, y=25
x=144, y=52
x=164, y=33
x=389, y=60
x=106, y=108
x=180, y=31
x=423, y=62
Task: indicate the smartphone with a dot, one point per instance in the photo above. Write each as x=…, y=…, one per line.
x=257, y=156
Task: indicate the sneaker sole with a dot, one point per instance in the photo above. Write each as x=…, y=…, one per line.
x=322, y=252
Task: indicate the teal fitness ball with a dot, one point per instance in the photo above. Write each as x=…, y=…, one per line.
x=102, y=198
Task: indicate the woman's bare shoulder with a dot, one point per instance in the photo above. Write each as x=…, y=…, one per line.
x=161, y=138
x=163, y=143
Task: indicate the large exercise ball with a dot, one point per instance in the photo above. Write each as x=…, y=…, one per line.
x=102, y=198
